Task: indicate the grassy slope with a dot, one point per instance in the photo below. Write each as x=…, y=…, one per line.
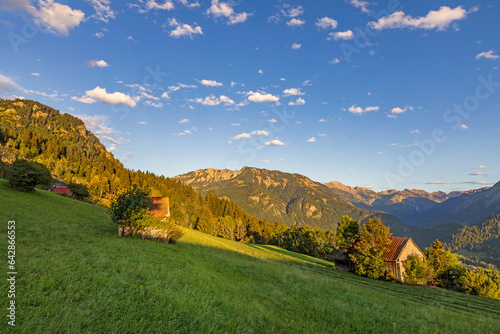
x=76, y=275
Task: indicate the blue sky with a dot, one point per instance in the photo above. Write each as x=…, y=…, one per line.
x=382, y=95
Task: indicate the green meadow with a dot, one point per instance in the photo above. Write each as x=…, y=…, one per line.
x=75, y=275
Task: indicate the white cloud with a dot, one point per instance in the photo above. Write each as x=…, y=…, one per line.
x=97, y=63
x=183, y=29
x=293, y=12
x=265, y=161
x=479, y=174
x=185, y=132
x=35, y=74
x=416, y=132
x=295, y=22
x=346, y=35
x=8, y=85
x=326, y=22
x=238, y=18
x=225, y=9
x=296, y=46
x=153, y=104
x=466, y=182
x=84, y=99
x=184, y=121
x=307, y=83
x=98, y=34
x=360, y=4
x=274, y=142
x=103, y=11
x=262, y=97
x=51, y=16
x=463, y=127
x=322, y=120
x=439, y=20
x=311, y=140
x=165, y=96
x=292, y=91
x=260, y=71
x=480, y=167
x=226, y=100
x=142, y=123
x=335, y=61
x=100, y=94
x=246, y=135
x=272, y=120
x=358, y=110
x=212, y=100
x=299, y=102
x=179, y=86
x=52, y=96
x=189, y=5
x=488, y=55
x=211, y=83
x=152, y=4
x=398, y=110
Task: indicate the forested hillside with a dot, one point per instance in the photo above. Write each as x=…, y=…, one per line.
x=480, y=241
x=33, y=131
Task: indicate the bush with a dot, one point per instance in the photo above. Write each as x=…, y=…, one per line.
x=24, y=175
x=162, y=229
x=79, y=191
x=129, y=206
x=482, y=283
x=417, y=270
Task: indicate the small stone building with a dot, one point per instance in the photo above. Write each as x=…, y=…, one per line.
x=394, y=259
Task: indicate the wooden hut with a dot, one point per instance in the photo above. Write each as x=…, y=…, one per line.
x=399, y=250
x=160, y=207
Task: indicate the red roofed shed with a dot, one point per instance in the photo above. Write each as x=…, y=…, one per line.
x=63, y=190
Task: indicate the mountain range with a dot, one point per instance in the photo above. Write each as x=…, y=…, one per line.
x=277, y=196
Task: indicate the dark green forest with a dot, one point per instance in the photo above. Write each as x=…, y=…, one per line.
x=482, y=240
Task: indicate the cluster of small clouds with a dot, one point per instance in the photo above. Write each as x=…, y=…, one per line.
x=212, y=100
x=291, y=14
x=225, y=10
x=183, y=29
x=98, y=124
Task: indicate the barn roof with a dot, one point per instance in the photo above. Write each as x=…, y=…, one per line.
x=395, y=248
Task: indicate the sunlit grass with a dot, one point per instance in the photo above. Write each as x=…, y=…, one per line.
x=76, y=275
